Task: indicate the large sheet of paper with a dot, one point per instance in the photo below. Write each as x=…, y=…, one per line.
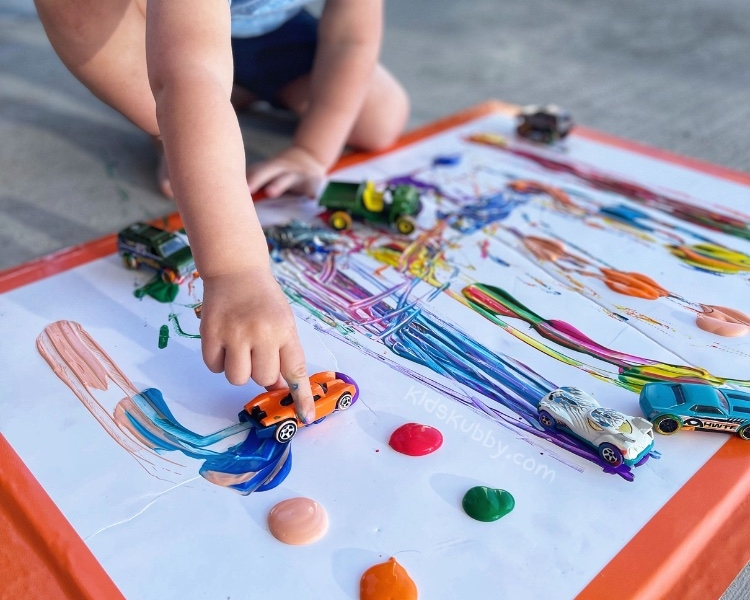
x=518, y=280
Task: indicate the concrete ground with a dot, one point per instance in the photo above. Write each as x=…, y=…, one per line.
x=675, y=75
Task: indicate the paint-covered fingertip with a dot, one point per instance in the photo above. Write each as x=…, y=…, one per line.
x=307, y=416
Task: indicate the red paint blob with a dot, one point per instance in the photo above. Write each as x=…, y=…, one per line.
x=415, y=439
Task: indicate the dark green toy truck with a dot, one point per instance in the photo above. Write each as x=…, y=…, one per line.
x=395, y=206
x=166, y=252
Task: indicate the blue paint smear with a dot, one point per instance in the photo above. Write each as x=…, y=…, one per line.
x=484, y=211
x=260, y=463
x=627, y=215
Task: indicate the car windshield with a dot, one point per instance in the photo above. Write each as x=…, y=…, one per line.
x=171, y=246
x=626, y=427
x=722, y=401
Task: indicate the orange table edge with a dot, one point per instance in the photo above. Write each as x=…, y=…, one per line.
x=692, y=548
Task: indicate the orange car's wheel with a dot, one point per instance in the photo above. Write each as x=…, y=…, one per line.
x=285, y=431
x=344, y=401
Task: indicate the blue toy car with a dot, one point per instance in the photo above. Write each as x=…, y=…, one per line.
x=674, y=406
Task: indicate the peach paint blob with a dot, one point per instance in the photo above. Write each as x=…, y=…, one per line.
x=387, y=581
x=298, y=521
x=723, y=321
x=415, y=439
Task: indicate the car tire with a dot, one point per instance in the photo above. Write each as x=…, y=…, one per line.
x=344, y=401
x=340, y=220
x=547, y=421
x=744, y=432
x=667, y=424
x=168, y=276
x=285, y=431
x=405, y=225
x=610, y=454
x=129, y=261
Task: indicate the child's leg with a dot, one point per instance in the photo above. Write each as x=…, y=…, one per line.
x=383, y=115
x=276, y=67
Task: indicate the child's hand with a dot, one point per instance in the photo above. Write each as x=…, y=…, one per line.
x=294, y=170
x=248, y=331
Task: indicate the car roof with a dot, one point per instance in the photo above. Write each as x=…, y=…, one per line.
x=149, y=232
x=699, y=393
x=575, y=397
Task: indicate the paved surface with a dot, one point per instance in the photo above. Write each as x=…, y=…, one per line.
x=675, y=75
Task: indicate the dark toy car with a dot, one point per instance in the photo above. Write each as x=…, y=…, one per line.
x=297, y=235
x=166, y=252
x=544, y=124
x=674, y=406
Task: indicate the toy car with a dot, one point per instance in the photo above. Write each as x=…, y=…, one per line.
x=675, y=406
x=273, y=414
x=166, y=252
x=396, y=205
x=544, y=124
x=297, y=235
x=617, y=437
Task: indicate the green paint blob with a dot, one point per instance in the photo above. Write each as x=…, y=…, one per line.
x=487, y=504
x=163, y=336
x=158, y=290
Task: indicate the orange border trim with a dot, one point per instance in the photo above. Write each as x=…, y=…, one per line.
x=663, y=155
x=695, y=545
x=41, y=555
x=691, y=549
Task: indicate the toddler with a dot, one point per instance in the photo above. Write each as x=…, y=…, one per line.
x=170, y=66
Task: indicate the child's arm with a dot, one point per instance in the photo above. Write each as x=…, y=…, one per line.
x=247, y=326
x=348, y=46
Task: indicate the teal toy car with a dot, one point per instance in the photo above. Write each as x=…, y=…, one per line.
x=166, y=252
x=674, y=406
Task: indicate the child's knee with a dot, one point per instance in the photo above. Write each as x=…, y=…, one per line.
x=383, y=117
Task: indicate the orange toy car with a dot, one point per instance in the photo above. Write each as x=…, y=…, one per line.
x=273, y=414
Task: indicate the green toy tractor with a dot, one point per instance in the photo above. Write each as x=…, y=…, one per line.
x=396, y=206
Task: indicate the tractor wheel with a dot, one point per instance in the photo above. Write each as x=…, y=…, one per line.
x=405, y=224
x=340, y=220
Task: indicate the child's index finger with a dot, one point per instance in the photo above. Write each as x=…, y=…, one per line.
x=294, y=372
x=304, y=405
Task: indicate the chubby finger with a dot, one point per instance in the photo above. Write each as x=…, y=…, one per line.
x=259, y=176
x=294, y=372
x=281, y=184
x=237, y=365
x=213, y=355
x=279, y=385
x=265, y=367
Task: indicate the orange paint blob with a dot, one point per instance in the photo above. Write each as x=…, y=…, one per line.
x=723, y=321
x=298, y=521
x=387, y=581
x=544, y=249
x=633, y=284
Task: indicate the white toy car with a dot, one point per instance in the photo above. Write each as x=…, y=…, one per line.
x=617, y=437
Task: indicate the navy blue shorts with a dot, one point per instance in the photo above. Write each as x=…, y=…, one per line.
x=265, y=64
